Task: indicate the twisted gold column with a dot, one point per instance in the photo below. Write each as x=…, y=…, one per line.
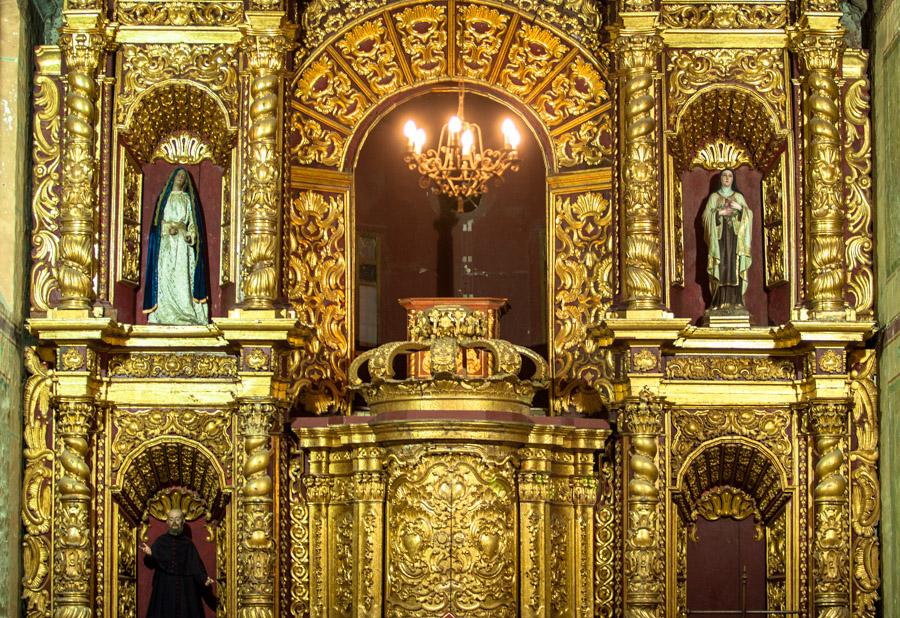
x=831, y=549
x=266, y=43
x=73, y=547
x=644, y=562
x=82, y=43
x=256, y=550
x=637, y=54
x=826, y=268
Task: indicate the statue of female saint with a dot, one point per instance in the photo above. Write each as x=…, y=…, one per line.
x=176, y=286
x=728, y=227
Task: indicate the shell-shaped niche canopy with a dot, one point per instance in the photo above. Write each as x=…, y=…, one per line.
x=446, y=370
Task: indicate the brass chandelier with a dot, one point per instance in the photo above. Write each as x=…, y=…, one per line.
x=461, y=167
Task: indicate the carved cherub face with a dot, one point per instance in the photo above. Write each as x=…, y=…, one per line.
x=180, y=180
x=726, y=178
x=175, y=521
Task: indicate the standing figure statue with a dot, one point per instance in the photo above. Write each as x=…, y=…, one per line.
x=179, y=577
x=728, y=227
x=176, y=285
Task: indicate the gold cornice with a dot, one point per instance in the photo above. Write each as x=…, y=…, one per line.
x=318, y=178
x=723, y=39
x=177, y=34
x=48, y=60
x=593, y=179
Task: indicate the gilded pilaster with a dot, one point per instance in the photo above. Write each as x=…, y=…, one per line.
x=368, y=513
x=266, y=41
x=256, y=550
x=819, y=41
x=73, y=548
x=584, y=498
x=644, y=564
x=638, y=56
x=318, y=494
x=82, y=41
x=534, y=519
x=831, y=550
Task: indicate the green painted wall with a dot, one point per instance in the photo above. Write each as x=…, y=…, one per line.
x=886, y=111
x=16, y=41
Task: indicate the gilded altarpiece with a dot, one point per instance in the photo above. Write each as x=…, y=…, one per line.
x=322, y=481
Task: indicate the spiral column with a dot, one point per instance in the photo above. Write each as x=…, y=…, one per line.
x=644, y=561
x=819, y=42
x=73, y=543
x=638, y=53
x=82, y=42
x=266, y=42
x=831, y=549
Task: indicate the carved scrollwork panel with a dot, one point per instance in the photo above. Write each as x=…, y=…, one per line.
x=327, y=89
x=47, y=160
x=316, y=281
x=858, y=183
x=690, y=367
x=372, y=55
x=172, y=365
x=423, y=36
x=775, y=224
x=724, y=15
x=130, y=202
x=481, y=32
x=533, y=54
x=450, y=501
x=182, y=13
x=583, y=274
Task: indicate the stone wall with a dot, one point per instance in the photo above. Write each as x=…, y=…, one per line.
x=15, y=161
x=886, y=110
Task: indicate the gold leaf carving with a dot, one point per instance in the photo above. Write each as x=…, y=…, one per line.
x=45, y=203
x=583, y=271
x=299, y=541
x=172, y=365
x=316, y=144
x=729, y=368
x=858, y=153
x=134, y=427
x=576, y=90
x=329, y=91
x=480, y=33
x=372, y=56
x=590, y=143
x=316, y=281
x=691, y=70
x=531, y=57
x=37, y=488
x=724, y=15
x=424, y=39
x=720, y=154
x=180, y=12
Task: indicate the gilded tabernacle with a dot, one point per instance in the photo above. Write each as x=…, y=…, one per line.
x=452, y=309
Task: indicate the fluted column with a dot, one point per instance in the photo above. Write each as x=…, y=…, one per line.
x=318, y=495
x=584, y=496
x=638, y=52
x=82, y=42
x=819, y=49
x=644, y=561
x=831, y=548
x=266, y=42
x=73, y=548
x=256, y=547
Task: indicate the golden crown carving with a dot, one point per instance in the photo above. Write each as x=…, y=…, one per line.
x=449, y=382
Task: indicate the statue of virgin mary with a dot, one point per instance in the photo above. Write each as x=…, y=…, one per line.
x=176, y=289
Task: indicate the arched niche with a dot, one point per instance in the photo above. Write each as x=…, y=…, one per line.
x=732, y=521
x=175, y=122
x=364, y=68
x=412, y=243
x=169, y=472
x=730, y=126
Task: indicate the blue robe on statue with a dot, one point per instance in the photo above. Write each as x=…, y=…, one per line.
x=176, y=289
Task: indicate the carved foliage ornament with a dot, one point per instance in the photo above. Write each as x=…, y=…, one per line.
x=730, y=368
x=180, y=12
x=172, y=365
x=724, y=16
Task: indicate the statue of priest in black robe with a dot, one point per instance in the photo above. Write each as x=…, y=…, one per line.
x=180, y=581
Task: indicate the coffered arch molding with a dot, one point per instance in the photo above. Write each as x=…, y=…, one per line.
x=557, y=86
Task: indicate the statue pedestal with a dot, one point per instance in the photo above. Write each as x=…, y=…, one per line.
x=460, y=318
x=726, y=318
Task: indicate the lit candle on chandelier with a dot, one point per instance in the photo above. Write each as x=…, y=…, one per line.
x=454, y=126
x=511, y=137
x=410, y=131
x=467, y=140
x=419, y=141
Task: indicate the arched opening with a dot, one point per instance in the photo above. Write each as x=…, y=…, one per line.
x=732, y=528
x=197, y=134
x=730, y=127
x=169, y=473
x=412, y=243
